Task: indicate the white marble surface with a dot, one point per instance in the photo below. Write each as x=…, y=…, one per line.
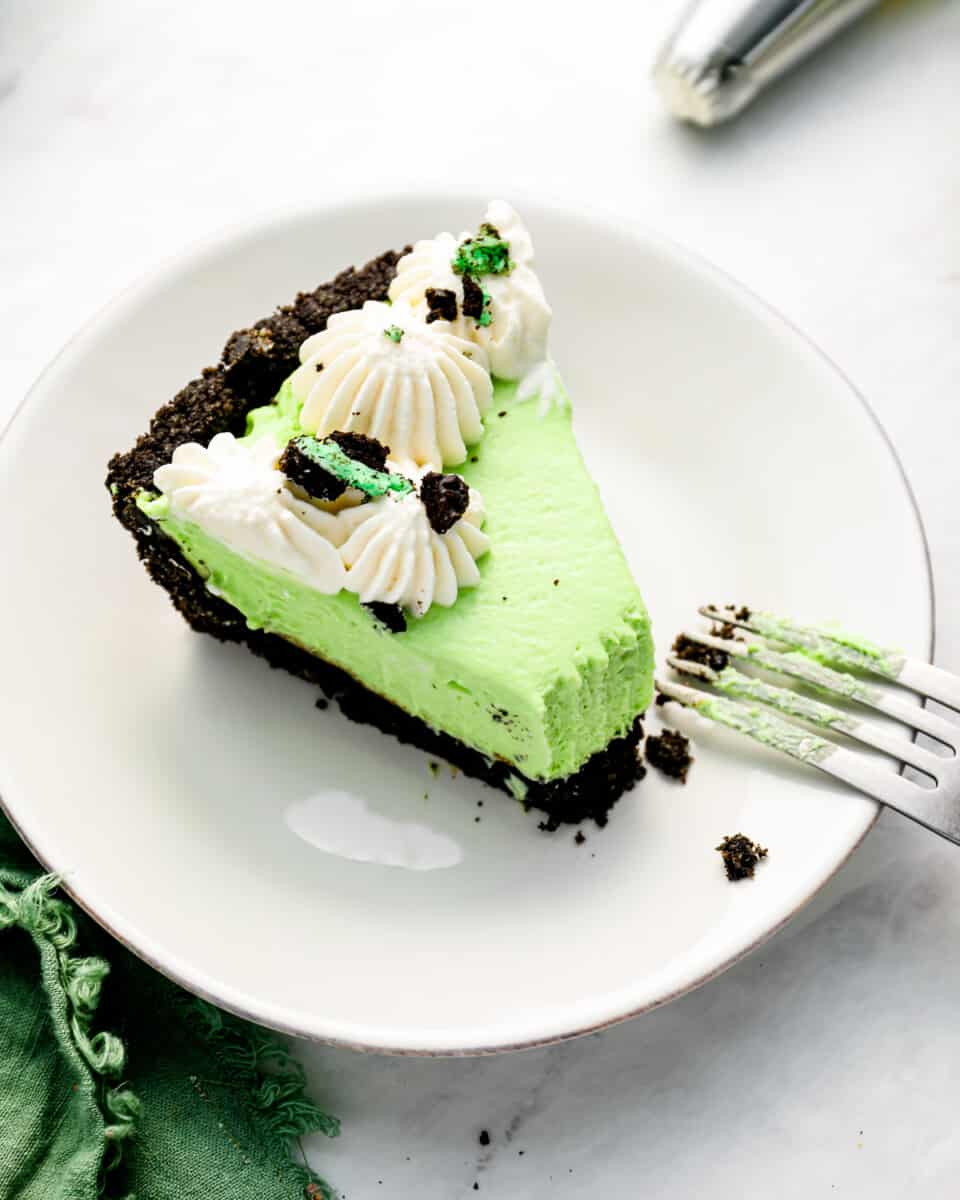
x=827, y=1062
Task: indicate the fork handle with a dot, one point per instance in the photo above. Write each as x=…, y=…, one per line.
x=932, y=682
x=930, y=807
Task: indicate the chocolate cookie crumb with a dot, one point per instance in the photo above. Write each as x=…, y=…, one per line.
x=472, y=298
x=442, y=304
x=742, y=614
x=580, y=839
x=662, y=700
x=691, y=651
x=727, y=631
x=309, y=476
x=484, y=1138
x=251, y=356
x=362, y=449
x=669, y=752
x=740, y=856
x=445, y=497
x=391, y=616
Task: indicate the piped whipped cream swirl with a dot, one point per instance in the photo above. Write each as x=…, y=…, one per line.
x=233, y=491
x=384, y=371
x=516, y=338
x=385, y=550
x=392, y=553
x=429, y=265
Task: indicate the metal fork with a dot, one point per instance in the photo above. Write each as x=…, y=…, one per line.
x=819, y=659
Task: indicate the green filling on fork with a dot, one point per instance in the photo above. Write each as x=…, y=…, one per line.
x=930, y=796
x=755, y=722
x=832, y=647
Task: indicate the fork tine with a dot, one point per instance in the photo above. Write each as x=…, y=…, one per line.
x=830, y=647
x=836, y=649
x=932, y=682
x=756, y=723
x=931, y=807
x=748, y=687
x=824, y=679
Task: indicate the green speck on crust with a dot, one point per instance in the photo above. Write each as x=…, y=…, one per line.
x=393, y=332
x=486, y=316
x=354, y=474
x=485, y=254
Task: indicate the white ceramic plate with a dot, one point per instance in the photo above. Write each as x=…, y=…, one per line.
x=157, y=770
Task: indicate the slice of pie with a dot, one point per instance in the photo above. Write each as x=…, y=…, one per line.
x=378, y=489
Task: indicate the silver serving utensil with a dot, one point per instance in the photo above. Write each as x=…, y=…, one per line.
x=724, y=51
x=820, y=660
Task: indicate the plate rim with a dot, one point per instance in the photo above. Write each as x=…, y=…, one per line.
x=209, y=246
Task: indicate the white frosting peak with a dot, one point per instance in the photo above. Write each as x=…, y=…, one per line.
x=517, y=336
x=233, y=491
x=385, y=550
x=395, y=556
x=428, y=265
x=382, y=370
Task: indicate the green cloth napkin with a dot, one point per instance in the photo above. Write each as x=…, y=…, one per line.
x=178, y=1101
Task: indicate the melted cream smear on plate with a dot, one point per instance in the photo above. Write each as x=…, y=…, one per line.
x=340, y=823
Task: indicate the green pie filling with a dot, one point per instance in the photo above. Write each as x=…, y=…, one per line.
x=541, y=664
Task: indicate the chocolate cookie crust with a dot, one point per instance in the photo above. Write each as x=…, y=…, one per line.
x=254, y=363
